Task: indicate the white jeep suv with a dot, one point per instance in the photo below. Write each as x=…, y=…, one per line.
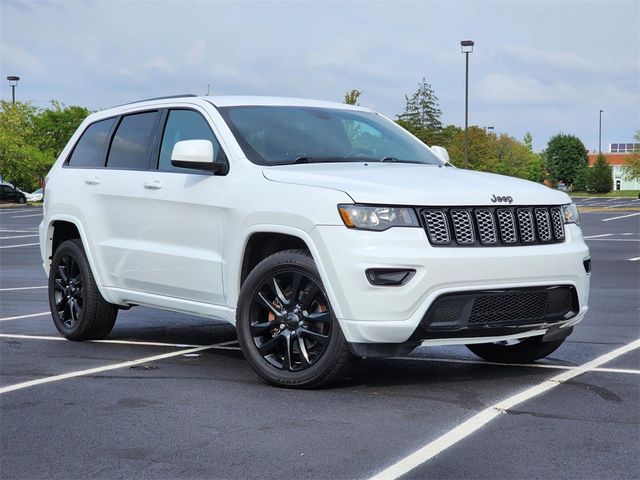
x=323, y=231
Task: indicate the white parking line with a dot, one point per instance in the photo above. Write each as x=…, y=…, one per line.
x=622, y=216
x=20, y=317
x=607, y=240
x=20, y=288
x=519, y=365
x=19, y=236
x=23, y=245
x=4, y=230
x=476, y=422
x=635, y=259
x=224, y=345
x=27, y=216
x=598, y=236
x=92, y=371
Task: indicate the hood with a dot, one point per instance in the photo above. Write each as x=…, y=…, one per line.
x=412, y=184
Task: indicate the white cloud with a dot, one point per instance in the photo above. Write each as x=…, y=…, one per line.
x=497, y=88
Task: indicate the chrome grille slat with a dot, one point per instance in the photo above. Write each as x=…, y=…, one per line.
x=437, y=226
x=463, y=227
x=543, y=224
x=486, y=227
x=493, y=226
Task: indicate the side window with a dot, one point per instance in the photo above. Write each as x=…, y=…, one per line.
x=132, y=141
x=184, y=125
x=89, y=150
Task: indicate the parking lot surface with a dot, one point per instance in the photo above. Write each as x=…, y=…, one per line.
x=150, y=402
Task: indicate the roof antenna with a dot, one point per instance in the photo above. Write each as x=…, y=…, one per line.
x=208, y=90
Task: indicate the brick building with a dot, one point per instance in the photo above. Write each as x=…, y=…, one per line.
x=616, y=158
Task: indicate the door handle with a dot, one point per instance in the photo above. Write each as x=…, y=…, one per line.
x=92, y=181
x=153, y=185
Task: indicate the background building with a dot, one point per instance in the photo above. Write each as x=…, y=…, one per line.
x=618, y=152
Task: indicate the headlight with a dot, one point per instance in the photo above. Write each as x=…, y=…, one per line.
x=570, y=213
x=377, y=218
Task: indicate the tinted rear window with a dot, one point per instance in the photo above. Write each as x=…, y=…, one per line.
x=89, y=151
x=132, y=141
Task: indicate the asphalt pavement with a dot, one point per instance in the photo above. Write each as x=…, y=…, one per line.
x=203, y=413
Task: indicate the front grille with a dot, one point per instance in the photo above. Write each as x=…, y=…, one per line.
x=523, y=306
x=454, y=312
x=492, y=226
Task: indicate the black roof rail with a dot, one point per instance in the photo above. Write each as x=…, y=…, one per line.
x=158, y=98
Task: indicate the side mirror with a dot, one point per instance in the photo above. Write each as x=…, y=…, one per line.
x=193, y=154
x=441, y=152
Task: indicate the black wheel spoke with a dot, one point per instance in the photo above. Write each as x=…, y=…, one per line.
x=62, y=273
x=73, y=310
x=304, y=355
x=258, y=329
x=323, y=339
x=322, y=317
x=61, y=303
x=278, y=292
x=287, y=361
x=310, y=296
x=296, y=281
x=263, y=301
x=268, y=347
x=57, y=284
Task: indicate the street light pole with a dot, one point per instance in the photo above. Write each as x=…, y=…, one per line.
x=13, y=81
x=466, y=48
x=600, y=133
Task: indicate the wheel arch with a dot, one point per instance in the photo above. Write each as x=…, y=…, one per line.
x=60, y=228
x=278, y=238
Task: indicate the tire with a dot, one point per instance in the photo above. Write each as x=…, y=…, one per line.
x=79, y=312
x=22, y=200
x=286, y=328
x=524, y=351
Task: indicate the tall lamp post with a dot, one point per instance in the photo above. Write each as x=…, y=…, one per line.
x=600, y=132
x=13, y=81
x=466, y=48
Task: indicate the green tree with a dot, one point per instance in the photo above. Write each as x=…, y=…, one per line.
x=565, y=155
x=20, y=160
x=422, y=114
x=580, y=181
x=528, y=141
x=631, y=169
x=351, y=97
x=599, y=178
x=53, y=127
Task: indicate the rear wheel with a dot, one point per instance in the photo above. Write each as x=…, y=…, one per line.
x=286, y=327
x=518, y=351
x=78, y=309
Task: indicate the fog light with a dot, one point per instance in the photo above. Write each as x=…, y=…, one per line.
x=389, y=277
x=587, y=265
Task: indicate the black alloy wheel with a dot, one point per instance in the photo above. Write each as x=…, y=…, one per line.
x=68, y=291
x=78, y=309
x=286, y=328
x=290, y=320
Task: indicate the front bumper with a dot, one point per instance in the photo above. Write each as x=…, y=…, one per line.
x=391, y=314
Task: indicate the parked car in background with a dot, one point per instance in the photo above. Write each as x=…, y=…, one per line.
x=35, y=196
x=10, y=194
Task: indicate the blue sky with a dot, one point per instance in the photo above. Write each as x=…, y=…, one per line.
x=543, y=66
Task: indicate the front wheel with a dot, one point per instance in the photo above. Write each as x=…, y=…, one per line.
x=526, y=350
x=286, y=327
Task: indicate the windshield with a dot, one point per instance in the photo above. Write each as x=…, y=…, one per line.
x=284, y=135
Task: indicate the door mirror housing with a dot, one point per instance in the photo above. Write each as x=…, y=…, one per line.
x=198, y=154
x=441, y=152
